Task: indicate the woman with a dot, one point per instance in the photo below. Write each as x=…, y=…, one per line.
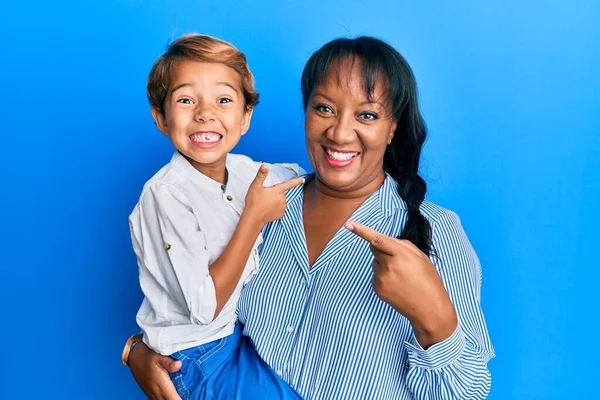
x=344, y=309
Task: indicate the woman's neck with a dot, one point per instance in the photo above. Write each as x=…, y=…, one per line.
x=316, y=192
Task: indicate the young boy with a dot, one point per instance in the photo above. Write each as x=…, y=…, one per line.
x=196, y=227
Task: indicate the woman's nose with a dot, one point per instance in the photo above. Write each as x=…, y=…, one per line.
x=342, y=130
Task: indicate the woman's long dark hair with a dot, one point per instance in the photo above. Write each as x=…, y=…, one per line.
x=379, y=60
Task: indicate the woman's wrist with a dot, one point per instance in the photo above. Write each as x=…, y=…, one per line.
x=435, y=327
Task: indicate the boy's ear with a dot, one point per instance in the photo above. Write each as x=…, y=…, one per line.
x=246, y=119
x=159, y=120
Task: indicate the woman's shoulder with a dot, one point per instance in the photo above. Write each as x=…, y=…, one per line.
x=449, y=237
x=437, y=214
x=433, y=212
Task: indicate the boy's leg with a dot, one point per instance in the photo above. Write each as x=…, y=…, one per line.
x=244, y=375
x=190, y=381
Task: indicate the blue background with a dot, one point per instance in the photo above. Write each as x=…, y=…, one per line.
x=510, y=91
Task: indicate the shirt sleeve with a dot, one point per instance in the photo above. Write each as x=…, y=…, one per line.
x=172, y=255
x=281, y=172
x=457, y=367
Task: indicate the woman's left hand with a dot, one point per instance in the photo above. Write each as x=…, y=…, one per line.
x=405, y=278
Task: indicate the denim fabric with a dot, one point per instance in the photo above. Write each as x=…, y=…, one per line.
x=228, y=368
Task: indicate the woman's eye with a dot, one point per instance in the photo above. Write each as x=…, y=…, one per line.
x=323, y=108
x=369, y=116
x=224, y=100
x=185, y=100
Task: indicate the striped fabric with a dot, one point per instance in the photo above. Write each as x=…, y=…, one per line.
x=325, y=331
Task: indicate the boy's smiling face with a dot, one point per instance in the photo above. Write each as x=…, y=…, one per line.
x=204, y=114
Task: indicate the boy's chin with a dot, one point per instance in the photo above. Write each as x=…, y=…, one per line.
x=208, y=159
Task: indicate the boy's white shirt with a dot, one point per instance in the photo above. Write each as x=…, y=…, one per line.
x=179, y=227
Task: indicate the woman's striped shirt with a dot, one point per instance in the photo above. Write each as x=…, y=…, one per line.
x=325, y=331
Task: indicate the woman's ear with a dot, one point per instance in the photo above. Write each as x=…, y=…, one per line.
x=159, y=120
x=246, y=119
x=392, y=131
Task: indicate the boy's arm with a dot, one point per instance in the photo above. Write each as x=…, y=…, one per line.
x=227, y=270
x=172, y=254
x=263, y=205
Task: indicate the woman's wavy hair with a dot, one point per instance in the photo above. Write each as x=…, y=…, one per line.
x=379, y=60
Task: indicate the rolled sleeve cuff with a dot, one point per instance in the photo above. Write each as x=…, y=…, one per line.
x=439, y=355
x=204, y=312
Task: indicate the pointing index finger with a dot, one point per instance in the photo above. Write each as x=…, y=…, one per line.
x=287, y=185
x=379, y=241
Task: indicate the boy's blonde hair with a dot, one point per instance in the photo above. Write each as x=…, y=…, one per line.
x=202, y=48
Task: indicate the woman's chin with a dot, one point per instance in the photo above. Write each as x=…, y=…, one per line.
x=337, y=179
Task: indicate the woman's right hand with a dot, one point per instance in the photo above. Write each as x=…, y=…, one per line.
x=266, y=204
x=151, y=372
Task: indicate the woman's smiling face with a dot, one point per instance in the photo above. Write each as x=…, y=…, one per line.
x=347, y=131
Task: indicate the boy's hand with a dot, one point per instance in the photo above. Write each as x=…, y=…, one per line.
x=267, y=204
x=151, y=372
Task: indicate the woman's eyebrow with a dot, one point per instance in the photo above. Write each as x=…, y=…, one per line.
x=377, y=103
x=325, y=96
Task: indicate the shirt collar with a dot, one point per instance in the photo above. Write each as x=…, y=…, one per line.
x=389, y=198
x=184, y=166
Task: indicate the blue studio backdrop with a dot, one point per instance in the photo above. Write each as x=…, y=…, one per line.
x=510, y=92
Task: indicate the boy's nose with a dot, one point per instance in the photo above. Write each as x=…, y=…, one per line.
x=205, y=114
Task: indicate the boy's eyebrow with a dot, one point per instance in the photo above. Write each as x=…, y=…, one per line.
x=227, y=84
x=176, y=87
x=180, y=86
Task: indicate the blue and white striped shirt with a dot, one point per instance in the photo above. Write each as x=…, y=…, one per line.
x=325, y=331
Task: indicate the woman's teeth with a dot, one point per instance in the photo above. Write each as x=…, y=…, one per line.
x=206, y=137
x=340, y=156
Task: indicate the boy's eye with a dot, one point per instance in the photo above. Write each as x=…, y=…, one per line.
x=323, y=108
x=185, y=100
x=368, y=116
x=224, y=100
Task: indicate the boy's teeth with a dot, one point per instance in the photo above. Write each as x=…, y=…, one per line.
x=205, y=137
x=340, y=156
